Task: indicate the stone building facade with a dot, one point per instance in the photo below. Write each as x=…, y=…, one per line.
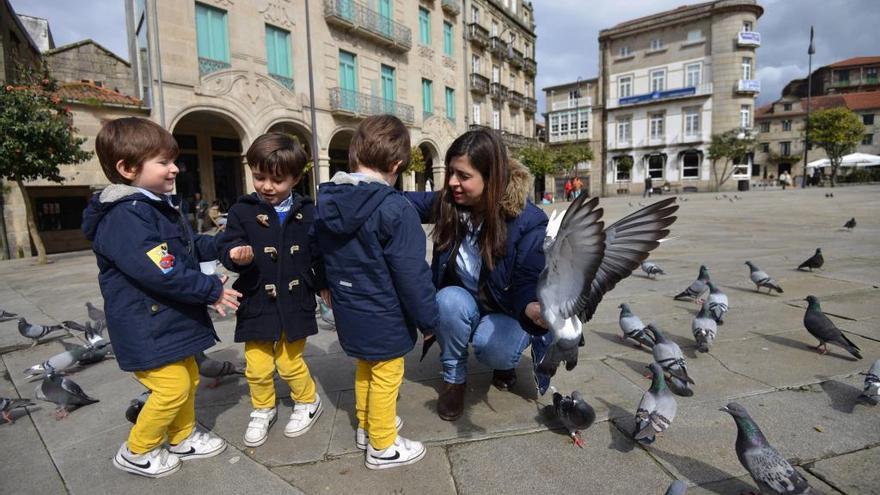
x=88, y=61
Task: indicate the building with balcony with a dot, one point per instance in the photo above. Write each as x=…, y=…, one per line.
x=669, y=81
x=853, y=75
x=501, y=61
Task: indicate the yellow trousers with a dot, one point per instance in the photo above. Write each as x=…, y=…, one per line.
x=171, y=409
x=264, y=357
x=376, y=384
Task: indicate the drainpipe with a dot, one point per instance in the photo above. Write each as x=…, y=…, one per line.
x=315, y=150
x=155, y=29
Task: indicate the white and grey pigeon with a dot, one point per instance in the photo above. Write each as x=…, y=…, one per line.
x=633, y=328
x=94, y=334
x=583, y=262
x=574, y=413
x=669, y=356
x=718, y=305
x=773, y=474
x=7, y=405
x=825, y=331
x=871, y=391
x=211, y=368
x=36, y=332
x=64, y=392
x=59, y=362
x=761, y=279
x=697, y=287
x=704, y=328
x=6, y=316
x=656, y=409
x=652, y=269
x=135, y=406
x=678, y=487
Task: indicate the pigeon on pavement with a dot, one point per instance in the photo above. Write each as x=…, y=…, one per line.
x=850, y=224
x=36, y=332
x=677, y=487
x=7, y=405
x=6, y=316
x=64, y=392
x=59, y=362
x=697, y=288
x=95, y=314
x=772, y=472
x=652, y=269
x=211, y=368
x=574, y=413
x=669, y=356
x=656, y=410
x=825, y=331
x=871, y=392
x=814, y=261
x=633, y=328
x=583, y=262
x=704, y=328
x=135, y=406
x=717, y=303
x=761, y=279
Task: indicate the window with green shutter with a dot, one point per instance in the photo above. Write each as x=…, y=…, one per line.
x=447, y=39
x=348, y=80
x=450, y=104
x=212, y=35
x=424, y=26
x=427, y=97
x=278, y=56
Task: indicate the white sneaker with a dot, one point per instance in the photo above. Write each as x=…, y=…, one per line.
x=258, y=429
x=402, y=453
x=303, y=417
x=153, y=464
x=361, y=438
x=198, y=445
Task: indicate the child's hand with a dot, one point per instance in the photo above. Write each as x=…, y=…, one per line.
x=533, y=312
x=325, y=295
x=242, y=255
x=228, y=299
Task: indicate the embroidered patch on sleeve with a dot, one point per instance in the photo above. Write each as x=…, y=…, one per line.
x=161, y=257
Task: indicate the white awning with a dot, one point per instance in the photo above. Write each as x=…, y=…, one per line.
x=851, y=160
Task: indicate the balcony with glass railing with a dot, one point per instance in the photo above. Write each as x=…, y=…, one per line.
x=669, y=94
x=477, y=34
x=748, y=86
x=345, y=102
x=452, y=7
x=358, y=18
x=479, y=83
x=748, y=38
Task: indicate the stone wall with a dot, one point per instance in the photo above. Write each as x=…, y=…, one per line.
x=87, y=60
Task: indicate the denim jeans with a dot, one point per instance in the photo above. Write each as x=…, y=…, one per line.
x=498, y=339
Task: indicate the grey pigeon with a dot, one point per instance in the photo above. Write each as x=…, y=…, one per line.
x=717, y=303
x=850, y=224
x=93, y=334
x=574, y=413
x=36, y=332
x=326, y=312
x=583, y=262
x=6, y=316
x=95, y=314
x=211, y=368
x=652, y=269
x=704, y=328
x=825, y=331
x=871, y=391
x=59, y=362
x=656, y=409
x=633, y=328
x=669, y=356
x=698, y=287
x=761, y=279
x=772, y=472
x=64, y=392
x=814, y=261
x=96, y=353
x=134, y=408
x=7, y=405
x=677, y=487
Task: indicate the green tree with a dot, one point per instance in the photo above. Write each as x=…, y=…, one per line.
x=728, y=148
x=36, y=137
x=570, y=155
x=540, y=161
x=417, y=160
x=837, y=131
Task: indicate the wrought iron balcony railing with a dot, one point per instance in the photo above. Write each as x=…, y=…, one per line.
x=351, y=15
x=354, y=104
x=478, y=34
x=479, y=83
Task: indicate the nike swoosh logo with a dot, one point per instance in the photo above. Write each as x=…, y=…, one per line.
x=312, y=414
x=392, y=458
x=192, y=450
x=146, y=465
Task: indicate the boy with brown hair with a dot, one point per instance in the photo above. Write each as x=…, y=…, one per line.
x=374, y=254
x=155, y=296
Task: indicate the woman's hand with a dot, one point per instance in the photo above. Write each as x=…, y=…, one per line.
x=533, y=312
x=325, y=295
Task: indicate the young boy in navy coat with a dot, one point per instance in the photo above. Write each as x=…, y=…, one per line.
x=267, y=242
x=374, y=251
x=155, y=296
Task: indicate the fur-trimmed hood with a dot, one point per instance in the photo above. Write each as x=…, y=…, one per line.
x=519, y=189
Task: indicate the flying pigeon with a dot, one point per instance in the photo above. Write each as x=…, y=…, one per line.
x=574, y=413
x=7, y=405
x=669, y=356
x=36, y=332
x=652, y=269
x=656, y=410
x=704, y=328
x=872, y=384
x=821, y=327
x=633, y=328
x=850, y=224
x=814, y=261
x=761, y=279
x=583, y=262
x=95, y=314
x=6, y=316
x=698, y=287
x=211, y=368
x=772, y=472
x=93, y=334
x=717, y=303
x=134, y=408
x=64, y=392
x=677, y=487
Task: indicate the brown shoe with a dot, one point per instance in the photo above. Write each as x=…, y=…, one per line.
x=450, y=404
x=504, y=379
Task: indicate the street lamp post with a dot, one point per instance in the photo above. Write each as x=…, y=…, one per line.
x=810, y=52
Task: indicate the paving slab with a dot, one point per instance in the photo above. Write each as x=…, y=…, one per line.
x=858, y=305
x=851, y=473
x=745, y=484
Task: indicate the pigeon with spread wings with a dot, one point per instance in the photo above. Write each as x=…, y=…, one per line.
x=583, y=262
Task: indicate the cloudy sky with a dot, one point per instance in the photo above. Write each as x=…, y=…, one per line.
x=568, y=32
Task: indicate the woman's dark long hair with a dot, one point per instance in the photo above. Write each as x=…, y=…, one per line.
x=488, y=156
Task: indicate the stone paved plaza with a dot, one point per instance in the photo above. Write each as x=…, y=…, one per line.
x=505, y=442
